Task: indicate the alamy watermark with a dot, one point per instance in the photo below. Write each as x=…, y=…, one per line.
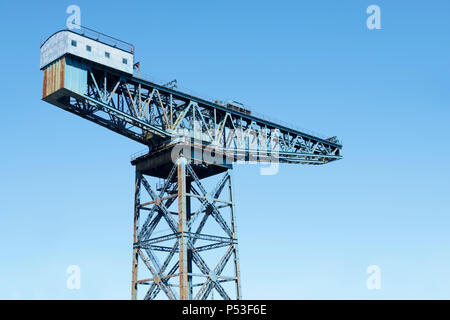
x=74, y=280
x=373, y=282
x=237, y=146
x=74, y=20
x=374, y=20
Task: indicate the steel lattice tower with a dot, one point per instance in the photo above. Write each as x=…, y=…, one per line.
x=174, y=199
x=185, y=242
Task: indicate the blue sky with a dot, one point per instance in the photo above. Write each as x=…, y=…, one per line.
x=308, y=232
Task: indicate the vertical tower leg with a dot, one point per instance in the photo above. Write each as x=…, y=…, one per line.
x=182, y=239
x=237, y=272
x=189, y=251
x=137, y=193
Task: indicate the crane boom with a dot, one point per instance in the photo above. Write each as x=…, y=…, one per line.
x=154, y=114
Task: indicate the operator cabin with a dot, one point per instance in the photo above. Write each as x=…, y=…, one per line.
x=63, y=68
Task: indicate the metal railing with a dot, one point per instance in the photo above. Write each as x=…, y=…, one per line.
x=103, y=38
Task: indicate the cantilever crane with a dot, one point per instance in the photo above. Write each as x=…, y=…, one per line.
x=179, y=227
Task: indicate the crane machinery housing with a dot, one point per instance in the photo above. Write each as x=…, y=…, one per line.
x=185, y=243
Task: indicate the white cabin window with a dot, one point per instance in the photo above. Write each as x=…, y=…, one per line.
x=74, y=43
x=88, y=48
x=106, y=54
x=124, y=61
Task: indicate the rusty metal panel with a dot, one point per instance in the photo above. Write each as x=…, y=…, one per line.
x=64, y=73
x=53, y=78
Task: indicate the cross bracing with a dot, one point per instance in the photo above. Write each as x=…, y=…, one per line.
x=153, y=114
x=184, y=211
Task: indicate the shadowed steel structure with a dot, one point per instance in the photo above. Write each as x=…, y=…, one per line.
x=185, y=243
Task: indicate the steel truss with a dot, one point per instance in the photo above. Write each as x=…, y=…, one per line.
x=184, y=245
x=151, y=114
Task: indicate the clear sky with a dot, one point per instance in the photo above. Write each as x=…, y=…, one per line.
x=66, y=185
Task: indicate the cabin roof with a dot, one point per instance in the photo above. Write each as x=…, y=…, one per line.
x=98, y=37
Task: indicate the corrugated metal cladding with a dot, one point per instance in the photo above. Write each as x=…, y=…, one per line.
x=75, y=76
x=65, y=73
x=53, y=77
